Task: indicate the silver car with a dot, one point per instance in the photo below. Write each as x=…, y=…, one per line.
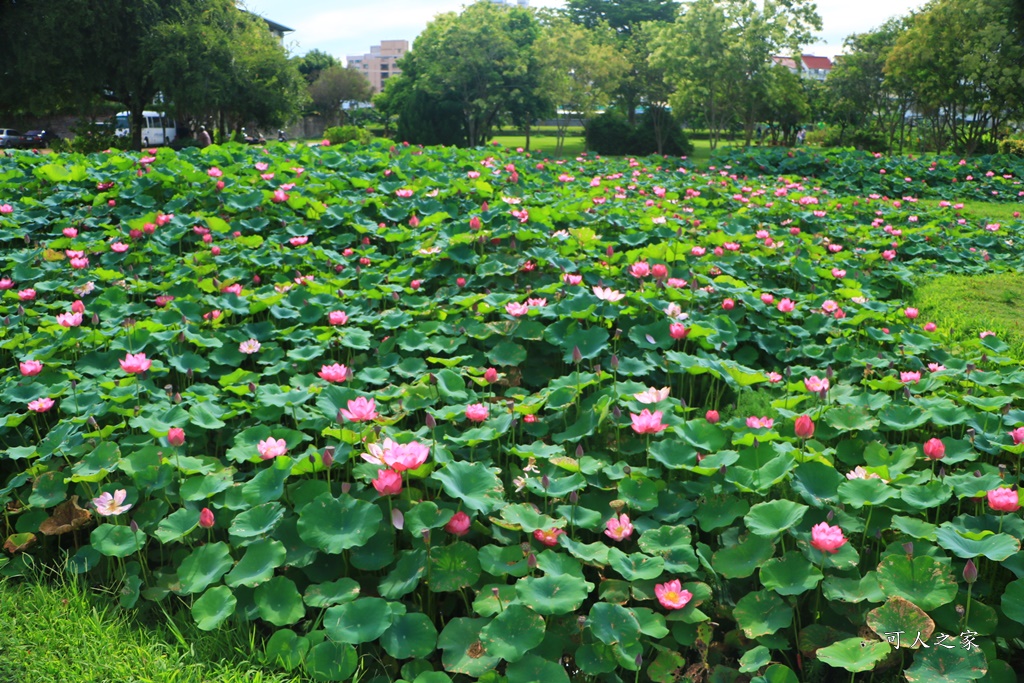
x=11, y=139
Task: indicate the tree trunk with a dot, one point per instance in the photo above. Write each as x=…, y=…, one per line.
x=527, y=136
x=138, y=120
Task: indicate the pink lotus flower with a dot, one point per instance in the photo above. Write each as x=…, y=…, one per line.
x=698, y=251
x=774, y=377
x=651, y=395
x=407, y=456
x=271, y=448
x=474, y=223
x=112, y=505
x=477, y=412
x=671, y=594
x=986, y=333
x=728, y=304
x=334, y=373
x=27, y=294
x=712, y=416
x=640, y=269
x=214, y=172
x=618, y=528
x=678, y=331
x=936, y=367
x=279, y=196
x=206, y=519
x=767, y=298
x=827, y=538
x=459, y=524
x=79, y=263
x=337, y=317
x=135, y=363
x=804, y=427
x=388, y=483
x=572, y=279
x=360, y=409
x=69, y=319
x=491, y=375
x=30, y=368
x=6, y=209
x=516, y=309
x=404, y=194
x=659, y=271
x=536, y=303
x=249, y=346
x=40, y=405
x=548, y=537
x=6, y=283
x=1017, y=434
x=889, y=254
x=176, y=436
x=838, y=273
x=910, y=312
x=910, y=377
x=760, y=422
x=647, y=422
x=608, y=294
x=786, y=306
x=70, y=232
x=298, y=241
x=930, y=327
x=1004, y=499
x=934, y=449
x=119, y=247
x=815, y=384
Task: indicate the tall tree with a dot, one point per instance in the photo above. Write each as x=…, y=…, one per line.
x=476, y=59
x=963, y=62
x=337, y=86
x=582, y=68
x=622, y=15
x=314, y=62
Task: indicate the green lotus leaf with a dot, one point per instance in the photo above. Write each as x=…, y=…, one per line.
x=549, y=595
x=286, y=649
x=948, y=665
x=754, y=659
x=854, y=654
x=361, y=621
x=513, y=633
x=790, y=574
x=924, y=581
x=996, y=547
x=532, y=668
x=474, y=484
x=453, y=567
x=255, y=522
x=462, y=650
x=410, y=635
x=258, y=563
x=762, y=613
x=204, y=566
x=635, y=566
x=177, y=525
x=720, y=512
x=213, y=608
x=861, y=492
x=617, y=627
x=329, y=661
x=334, y=524
x=406, y=574
x=529, y=519
x=772, y=518
x=278, y=601
x=117, y=541
x=331, y=593
x=740, y=561
x=674, y=545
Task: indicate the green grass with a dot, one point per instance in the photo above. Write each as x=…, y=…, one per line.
x=64, y=634
x=574, y=144
x=962, y=306
x=988, y=211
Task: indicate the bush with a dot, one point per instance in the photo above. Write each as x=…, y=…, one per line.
x=182, y=143
x=90, y=136
x=339, y=135
x=610, y=134
x=1014, y=146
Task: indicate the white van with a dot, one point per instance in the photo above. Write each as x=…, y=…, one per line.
x=157, y=129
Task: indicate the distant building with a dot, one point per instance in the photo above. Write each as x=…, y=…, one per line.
x=810, y=66
x=379, y=63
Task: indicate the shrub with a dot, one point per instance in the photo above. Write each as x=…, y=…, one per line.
x=339, y=135
x=611, y=134
x=1014, y=146
x=90, y=136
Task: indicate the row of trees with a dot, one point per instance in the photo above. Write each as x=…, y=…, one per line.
x=206, y=59
x=952, y=74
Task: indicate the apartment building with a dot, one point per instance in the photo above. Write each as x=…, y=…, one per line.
x=810, y=66
x=379, y=63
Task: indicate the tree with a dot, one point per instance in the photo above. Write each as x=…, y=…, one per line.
x=622, y=15
x=962, y=61
x=314, y=62
x=720, y=52
x=223, y=64
x=582, y=68
x=860, y=96
x=337, y=86
x=479, y=59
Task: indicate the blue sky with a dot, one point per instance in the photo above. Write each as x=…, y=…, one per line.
x=344, y=27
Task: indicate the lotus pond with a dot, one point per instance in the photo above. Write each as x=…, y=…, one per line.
x=440, y=415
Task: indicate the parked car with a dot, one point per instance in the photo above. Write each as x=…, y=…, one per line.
x=11, y=139
x=40, y=138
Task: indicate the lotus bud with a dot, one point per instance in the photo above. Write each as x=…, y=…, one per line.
x=579, y=450
x=618, y=333
x=970, y=572
x=495, y=591
x=908, y=548
x=252, y=388
x=545, y=481
x=627, y=470
x=615, y=362
x=610, y=251
x=531, y=561
x=133, y=526
x=616, y=412
x=597, y=368
x=639, y=660
x=960, y=610
x=21, y=310
x=431, y=422
x=181, y=337
x=576, y=355
x=942, y=471
x=830, y=515
x=328, y=457
x=188, y=373
x=92, y=422
x=346, y=486
x=177, y=397
x=722, y=470
x=574, y=497
x=426, y=536
x=376, y=430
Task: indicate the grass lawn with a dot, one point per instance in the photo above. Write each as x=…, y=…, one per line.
x=989, y=211
x=963, y=306
x=64, y=634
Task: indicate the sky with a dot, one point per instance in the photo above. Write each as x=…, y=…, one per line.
x=350, y=27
